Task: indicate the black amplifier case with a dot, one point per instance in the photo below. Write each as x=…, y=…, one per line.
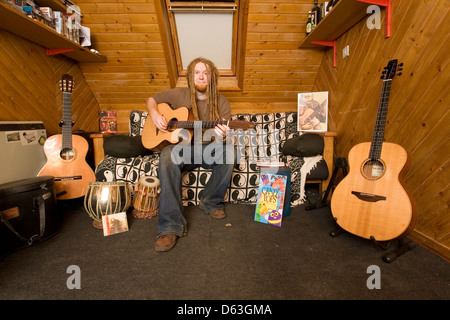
x=28, y=213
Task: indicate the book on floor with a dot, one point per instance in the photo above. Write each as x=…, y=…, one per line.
x=270, y=198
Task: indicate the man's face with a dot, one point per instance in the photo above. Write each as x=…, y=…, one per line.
x=201, y=77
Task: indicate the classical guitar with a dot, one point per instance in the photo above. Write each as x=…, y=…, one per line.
x=66, y=153
x=372, y=201
x=177, y=120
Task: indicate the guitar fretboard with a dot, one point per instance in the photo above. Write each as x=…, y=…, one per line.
x=380, y=124
x=67, y=121
x=200, y=124
x=235, y=124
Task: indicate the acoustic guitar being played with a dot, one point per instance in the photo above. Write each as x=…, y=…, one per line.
x=178, y=120
x=66, y=154
x=372, y=201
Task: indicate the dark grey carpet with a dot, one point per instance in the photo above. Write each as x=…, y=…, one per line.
x=232, y=259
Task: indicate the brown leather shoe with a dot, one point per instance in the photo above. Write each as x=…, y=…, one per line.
x=165, y=242
x=218, y=214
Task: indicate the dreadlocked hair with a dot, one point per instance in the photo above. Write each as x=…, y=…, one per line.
x=212, y=97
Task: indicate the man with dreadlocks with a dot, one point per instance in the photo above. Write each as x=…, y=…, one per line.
x=204, y=103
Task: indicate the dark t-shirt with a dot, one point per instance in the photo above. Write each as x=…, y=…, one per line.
x=181, y=97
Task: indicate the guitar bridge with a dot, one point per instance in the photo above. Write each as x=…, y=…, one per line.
x=68, y=178
x=368, y=196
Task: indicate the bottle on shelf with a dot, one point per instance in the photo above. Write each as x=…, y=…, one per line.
x=330, y=5
x=308, y=24
x=315, y=12
x=313, y=21
x=323, y=10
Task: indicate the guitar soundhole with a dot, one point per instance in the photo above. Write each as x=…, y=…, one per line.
x=67, y=154
x=172, y=124
x=372, y=169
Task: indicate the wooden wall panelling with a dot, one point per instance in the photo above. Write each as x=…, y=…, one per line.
x=84, y=105
x=418, y=113
x=413, y=63
x=22, y=79
x=30, y=85
x=275, y=69
x=328, y=82
x=128, y=33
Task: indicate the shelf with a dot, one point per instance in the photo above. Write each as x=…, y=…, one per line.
x=341, y=18
x=22, y=26
x=54, y=4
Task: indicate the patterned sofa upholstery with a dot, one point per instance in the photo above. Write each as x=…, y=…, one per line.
x=245, y=179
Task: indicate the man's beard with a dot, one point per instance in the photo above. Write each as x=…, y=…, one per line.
x=201, y=87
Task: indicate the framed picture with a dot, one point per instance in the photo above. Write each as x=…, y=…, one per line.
x=313, y=111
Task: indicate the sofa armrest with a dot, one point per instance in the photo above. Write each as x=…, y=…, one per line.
x=328, y=156
x=97, y=141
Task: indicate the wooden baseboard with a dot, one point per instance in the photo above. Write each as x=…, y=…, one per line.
x=430, y=244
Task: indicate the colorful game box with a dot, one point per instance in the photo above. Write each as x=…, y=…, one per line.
x=271, y=198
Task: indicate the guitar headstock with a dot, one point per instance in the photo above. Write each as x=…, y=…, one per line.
x=390, y=71
x=66, y=83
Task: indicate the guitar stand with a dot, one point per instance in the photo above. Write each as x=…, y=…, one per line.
x=337, y=231
x=402, y=248
x=341, y=163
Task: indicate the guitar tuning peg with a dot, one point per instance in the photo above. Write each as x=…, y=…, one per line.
x=399, y=74
x=401, y=64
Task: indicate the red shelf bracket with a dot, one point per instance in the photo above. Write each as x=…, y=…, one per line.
x=328, y=44
x=51, y=52
x=387, y=4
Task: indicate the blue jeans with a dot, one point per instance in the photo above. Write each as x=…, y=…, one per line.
x=170, y=216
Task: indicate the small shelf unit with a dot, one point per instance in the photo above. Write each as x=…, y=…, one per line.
x=55, y=43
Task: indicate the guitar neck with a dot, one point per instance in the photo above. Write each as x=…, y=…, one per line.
x=201, y=124
x=380, y=124
x=212, y=123
x=67, y=121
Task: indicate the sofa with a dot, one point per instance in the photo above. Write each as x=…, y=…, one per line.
x=123, y=158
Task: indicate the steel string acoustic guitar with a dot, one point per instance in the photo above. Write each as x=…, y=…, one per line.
x=177, y=120
x=372, y=201
x=66, y=153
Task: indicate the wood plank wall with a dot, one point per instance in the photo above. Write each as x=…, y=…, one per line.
x=30, y=90
x=127, y=32
x=418, y=114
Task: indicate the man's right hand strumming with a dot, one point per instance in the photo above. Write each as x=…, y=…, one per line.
x=158, y=120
